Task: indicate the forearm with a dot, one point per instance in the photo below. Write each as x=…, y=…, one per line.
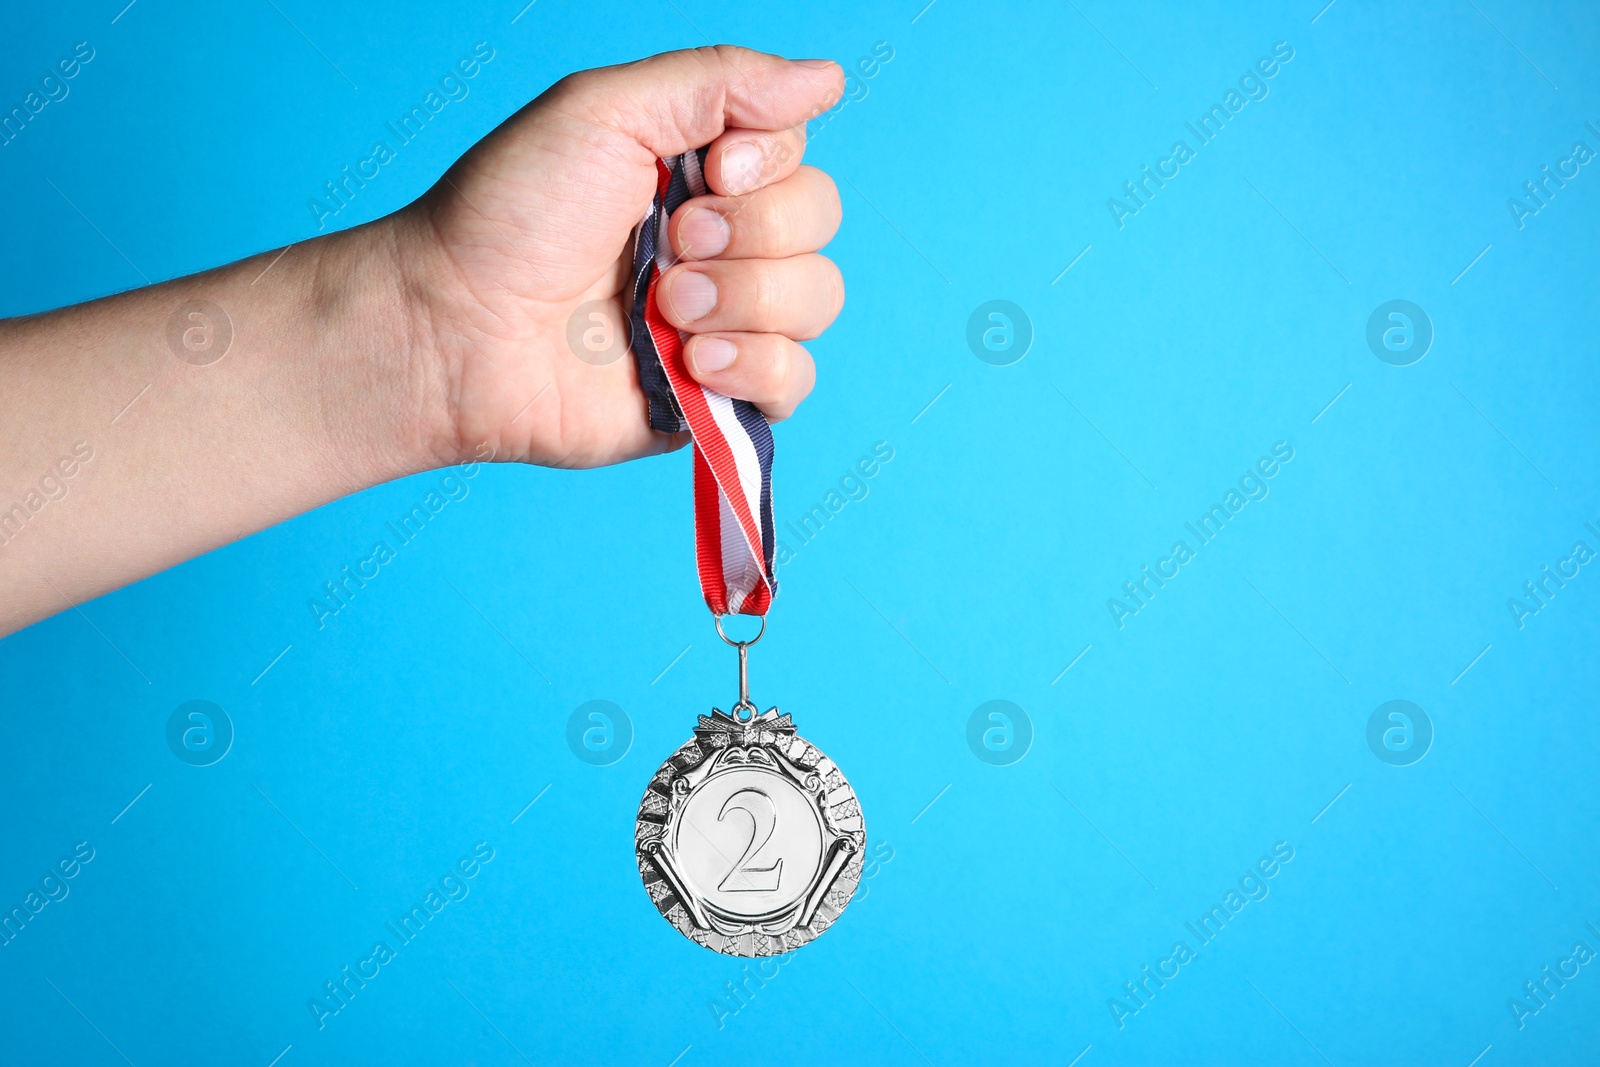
x=122, y=454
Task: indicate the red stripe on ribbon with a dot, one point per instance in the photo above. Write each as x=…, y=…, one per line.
x=708, y=535
x=714, y=457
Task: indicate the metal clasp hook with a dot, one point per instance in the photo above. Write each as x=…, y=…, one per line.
x=745, y=709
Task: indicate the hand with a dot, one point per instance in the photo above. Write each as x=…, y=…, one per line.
x=426, y=338
x=537, y=220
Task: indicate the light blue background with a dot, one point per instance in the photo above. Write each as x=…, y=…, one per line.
x=1175, y=752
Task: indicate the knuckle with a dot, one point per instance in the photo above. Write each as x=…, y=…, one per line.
x=813, y=215
x=780, y=369
x=834, y=283
x=784, y=373
x=833, y=205
x=804, y=372
x=716, y=59
x=827, y=283
x=586, y=91
x=765, y=295
x=797, y=375
x=779, y=225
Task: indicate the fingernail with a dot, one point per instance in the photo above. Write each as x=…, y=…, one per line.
x=692, y=295
x=816, y=64
x=712, y=354
x=704, y=233
x=741, y=167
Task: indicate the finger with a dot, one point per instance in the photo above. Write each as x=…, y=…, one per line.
x=662, y=443
x=799, y=214
x=742, y=161
x=771, y=371
x=681, y=100
x=797, y=297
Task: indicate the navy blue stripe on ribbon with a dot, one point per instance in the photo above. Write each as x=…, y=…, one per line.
x=760, y=432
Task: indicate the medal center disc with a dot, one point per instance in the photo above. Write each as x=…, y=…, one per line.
x=749, y=842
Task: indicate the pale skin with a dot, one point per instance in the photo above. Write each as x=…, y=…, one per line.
x=434, y=336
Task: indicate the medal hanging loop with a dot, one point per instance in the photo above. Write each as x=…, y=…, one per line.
x=746, y=708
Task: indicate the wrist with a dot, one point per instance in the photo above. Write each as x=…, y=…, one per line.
x=380, y=366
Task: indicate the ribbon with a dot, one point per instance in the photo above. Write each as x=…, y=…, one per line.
x=734, y=535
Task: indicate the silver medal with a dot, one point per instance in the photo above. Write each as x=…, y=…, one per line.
x=749, y=839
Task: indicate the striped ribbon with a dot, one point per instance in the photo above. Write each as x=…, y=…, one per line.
x=734, y=534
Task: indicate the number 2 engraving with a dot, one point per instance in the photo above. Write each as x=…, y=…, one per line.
x=741, y=877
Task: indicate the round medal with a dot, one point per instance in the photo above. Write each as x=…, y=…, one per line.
x=749, y=839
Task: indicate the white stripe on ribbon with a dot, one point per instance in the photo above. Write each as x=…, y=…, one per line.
x=664, y=255
x=745, y=460
x=741, y=572
x=693, y=177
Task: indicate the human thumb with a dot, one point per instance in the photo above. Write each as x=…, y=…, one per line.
x=676, y=101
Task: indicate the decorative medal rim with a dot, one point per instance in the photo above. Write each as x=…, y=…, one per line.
x=768, y=741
